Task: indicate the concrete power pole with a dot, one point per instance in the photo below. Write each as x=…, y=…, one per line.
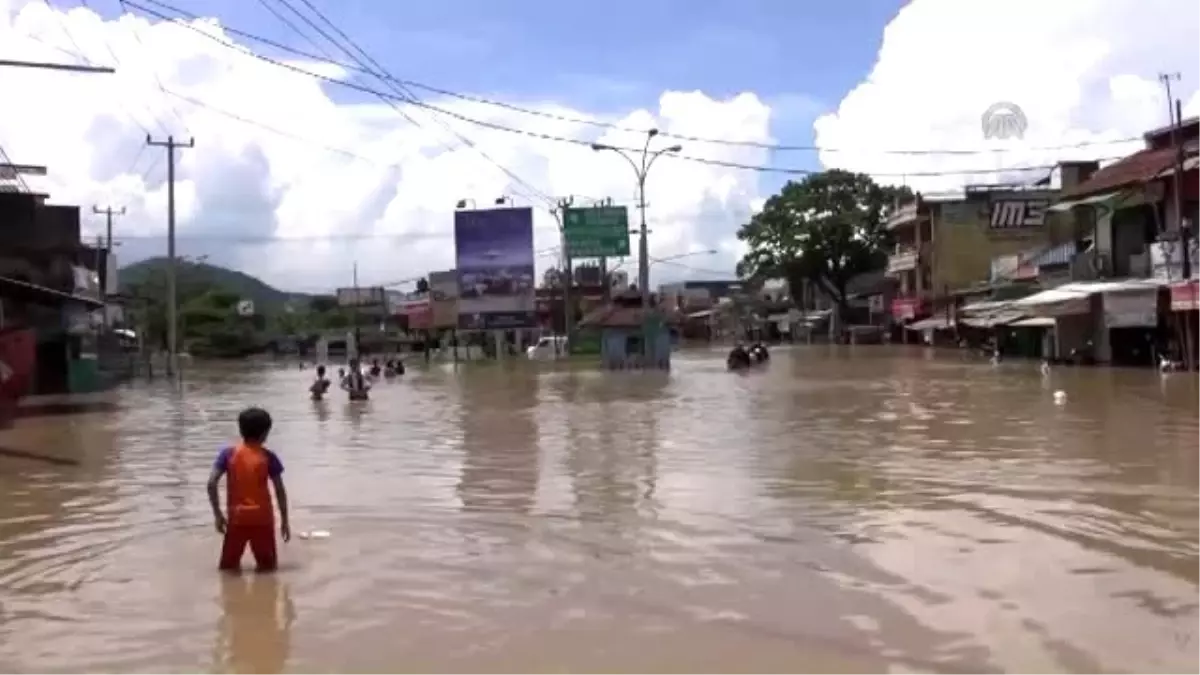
x=172, y=299
x=1175, y=114
x=108, y=212
x=568, y=275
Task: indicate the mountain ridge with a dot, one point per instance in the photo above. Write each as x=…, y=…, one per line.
x=246, y=286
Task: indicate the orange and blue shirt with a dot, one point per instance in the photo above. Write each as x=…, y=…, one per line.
x=249, y=470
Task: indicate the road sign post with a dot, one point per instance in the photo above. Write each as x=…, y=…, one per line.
x=596, y=232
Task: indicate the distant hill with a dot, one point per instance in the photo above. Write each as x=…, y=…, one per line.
x=265, y=296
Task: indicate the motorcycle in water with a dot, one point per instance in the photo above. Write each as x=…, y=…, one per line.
x=738, y=359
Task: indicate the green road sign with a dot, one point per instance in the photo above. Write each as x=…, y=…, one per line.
x=597, y=232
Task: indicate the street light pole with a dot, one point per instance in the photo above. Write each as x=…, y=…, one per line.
x=640, y=170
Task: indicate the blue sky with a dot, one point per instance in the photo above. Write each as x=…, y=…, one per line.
x=800, y=57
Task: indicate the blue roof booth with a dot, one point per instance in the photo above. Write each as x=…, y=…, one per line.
x=623, y=329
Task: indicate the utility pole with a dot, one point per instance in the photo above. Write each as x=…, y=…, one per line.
x=1175, y=112
x=172, y=299
x=108, y=212
x=568, y=275
x=354, y=313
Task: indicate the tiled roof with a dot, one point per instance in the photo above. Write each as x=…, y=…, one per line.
x=1137, y=168
x=621, y=316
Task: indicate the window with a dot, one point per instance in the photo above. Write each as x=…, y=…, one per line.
x=633, y=345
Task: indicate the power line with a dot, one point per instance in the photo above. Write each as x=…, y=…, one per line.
x=79, y=53
x=600, y=123
x=406, y=95
x=574, y=141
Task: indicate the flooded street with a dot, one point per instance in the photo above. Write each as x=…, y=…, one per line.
x=840, y=510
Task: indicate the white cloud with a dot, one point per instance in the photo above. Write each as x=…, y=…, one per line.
x=1082, y=71
x=357, y=180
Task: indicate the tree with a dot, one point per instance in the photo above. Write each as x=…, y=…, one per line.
x=422, y=285
x=552, y=278
x=323, y=303
x=825, y=230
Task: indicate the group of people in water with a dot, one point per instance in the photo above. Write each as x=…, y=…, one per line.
x=353, y=380
x=741, y=356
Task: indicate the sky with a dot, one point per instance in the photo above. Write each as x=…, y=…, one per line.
x=305, y=166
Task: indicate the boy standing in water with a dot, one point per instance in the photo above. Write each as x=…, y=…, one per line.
x=249, y=467
x=320, y=385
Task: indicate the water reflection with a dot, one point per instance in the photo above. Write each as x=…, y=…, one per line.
x=845, y=509
x=254, y=631
x=497, y=415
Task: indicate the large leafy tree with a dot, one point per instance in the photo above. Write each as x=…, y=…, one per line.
x=826, y=230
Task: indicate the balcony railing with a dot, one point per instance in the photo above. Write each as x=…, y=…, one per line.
x=902, y=261
x=903, y=216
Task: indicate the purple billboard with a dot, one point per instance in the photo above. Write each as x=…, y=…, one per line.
x=494, y=255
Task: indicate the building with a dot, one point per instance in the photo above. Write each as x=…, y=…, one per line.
x=948, y=248
x=1136, y=238
x=50, y=285
x=694, y=296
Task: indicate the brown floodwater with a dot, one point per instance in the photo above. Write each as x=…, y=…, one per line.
x=870, y=509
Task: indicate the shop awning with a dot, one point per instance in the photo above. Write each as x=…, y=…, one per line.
x=932, y=323
x=1034, y=322
x=1094, y=200
x=985, y=306
x=994, y=319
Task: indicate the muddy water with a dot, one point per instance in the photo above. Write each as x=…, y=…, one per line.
x=839, y=511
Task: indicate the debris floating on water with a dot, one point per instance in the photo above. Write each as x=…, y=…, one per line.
x=315, y=534
x=1060, y=397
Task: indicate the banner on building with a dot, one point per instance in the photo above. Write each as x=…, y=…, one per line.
x=1133, y=309
x=495, y=265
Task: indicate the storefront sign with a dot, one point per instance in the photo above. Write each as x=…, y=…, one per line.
x=905, y=309
x=1014, y=214
x=1131, y=310
x=1185, y=296
x=1166, y=258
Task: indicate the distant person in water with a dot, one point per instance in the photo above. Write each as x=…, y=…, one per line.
x=320, y=386
x=250, y=471
x=376, y=369
x=355, y=383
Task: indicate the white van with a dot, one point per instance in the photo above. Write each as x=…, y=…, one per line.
x=548, y=348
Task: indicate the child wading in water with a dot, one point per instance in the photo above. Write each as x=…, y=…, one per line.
x=249, y=468
x=319, y=385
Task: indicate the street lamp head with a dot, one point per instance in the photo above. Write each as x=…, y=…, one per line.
x=600, y=146
x=462, y=204
x=674, y=148
x=652, y=133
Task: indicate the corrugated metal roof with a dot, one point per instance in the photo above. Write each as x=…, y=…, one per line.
x=1137, y=168
x=1055, y=255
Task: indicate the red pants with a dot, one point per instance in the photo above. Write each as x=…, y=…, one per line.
x=261, y=539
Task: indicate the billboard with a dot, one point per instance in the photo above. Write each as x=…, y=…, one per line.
x=361, y=297
x=494, y=255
